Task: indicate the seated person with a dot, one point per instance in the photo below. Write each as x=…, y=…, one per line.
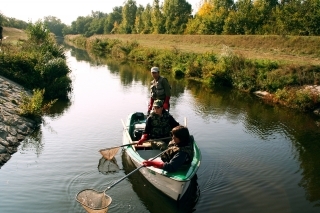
x=158, y=125
x=180, y=151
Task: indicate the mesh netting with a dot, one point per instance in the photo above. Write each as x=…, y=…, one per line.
x=109, y=153
x=107, y=166
x=93, y=201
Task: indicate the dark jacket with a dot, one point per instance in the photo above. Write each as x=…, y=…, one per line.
x=159, y=126
x=176, y=156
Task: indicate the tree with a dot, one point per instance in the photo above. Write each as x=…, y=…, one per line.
x=128, y=17
x=146, y=19
x=54, y=25
x=138, y=23
x=176, y=14
x=157, y=19
x=240, y=20
x=310, y=10
x=112, y=18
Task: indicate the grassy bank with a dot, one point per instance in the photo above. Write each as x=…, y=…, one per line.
x=300, y=50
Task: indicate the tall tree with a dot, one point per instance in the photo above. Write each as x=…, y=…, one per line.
x=146, y=19
x=138, y=23
x=112, y=18
x=128, y=17
x=176, y=14
x=157, y=18
x=240, y=20
x=54, y=25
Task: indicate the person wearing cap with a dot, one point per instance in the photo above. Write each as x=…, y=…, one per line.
x=158, y=125
x=179, y=152
x=160, y=89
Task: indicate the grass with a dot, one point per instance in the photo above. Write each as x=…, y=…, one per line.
x=13, y=35
x=285, y=49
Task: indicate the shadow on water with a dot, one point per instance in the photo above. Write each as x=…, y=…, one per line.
x=153, y=199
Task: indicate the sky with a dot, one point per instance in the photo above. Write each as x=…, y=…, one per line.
x=65, y=10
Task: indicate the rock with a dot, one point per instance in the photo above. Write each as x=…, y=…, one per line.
x=317, y=111
x=13, y=127
x=2, y=149
x=261, y=94
x=4, y=158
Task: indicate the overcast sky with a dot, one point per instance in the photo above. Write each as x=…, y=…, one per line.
x=66, y=10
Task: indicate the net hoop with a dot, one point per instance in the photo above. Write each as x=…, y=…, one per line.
x=93, y=201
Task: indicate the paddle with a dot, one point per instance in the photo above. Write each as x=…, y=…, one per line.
x=94, y=201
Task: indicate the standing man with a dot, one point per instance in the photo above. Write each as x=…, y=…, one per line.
x=160, y=89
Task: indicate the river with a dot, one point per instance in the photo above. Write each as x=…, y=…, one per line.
x=255, y=157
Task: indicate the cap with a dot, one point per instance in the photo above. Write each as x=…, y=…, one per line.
x=154, y=69
x=157, y=103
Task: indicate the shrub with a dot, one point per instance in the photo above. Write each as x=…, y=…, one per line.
x=33, y=106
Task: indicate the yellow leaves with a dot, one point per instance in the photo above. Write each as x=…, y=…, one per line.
x=205, y=9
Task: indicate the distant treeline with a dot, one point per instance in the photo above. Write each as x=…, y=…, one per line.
x=228, y=17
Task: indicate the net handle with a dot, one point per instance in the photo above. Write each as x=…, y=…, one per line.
x=109, y=187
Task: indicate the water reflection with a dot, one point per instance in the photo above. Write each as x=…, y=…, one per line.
x=268, y=123
x=153, y=199
x=33, y=142
x=59, y=108
x=108, y=166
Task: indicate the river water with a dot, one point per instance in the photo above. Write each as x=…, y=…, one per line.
x=255, y=157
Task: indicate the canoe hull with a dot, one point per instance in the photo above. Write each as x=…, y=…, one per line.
x=174, y=184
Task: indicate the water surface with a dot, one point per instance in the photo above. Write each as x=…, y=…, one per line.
x=255, y=157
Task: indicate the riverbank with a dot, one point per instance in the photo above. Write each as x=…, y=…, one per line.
x=299, y=50
x=13, y=127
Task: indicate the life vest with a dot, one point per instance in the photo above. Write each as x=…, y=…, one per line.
x=158, y=89
x=173, y=149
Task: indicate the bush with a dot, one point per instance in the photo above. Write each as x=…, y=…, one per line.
x=33, y=106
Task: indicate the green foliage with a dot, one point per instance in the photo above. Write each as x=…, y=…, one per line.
x=34, y=106
x=38, y=33
x=164, y=59
x=54, y=25
x=242, y=17
x=176, y=14
x=19, y=67
x=157, y=18
x=128, y=17
x=39, y=63
x=299, y=98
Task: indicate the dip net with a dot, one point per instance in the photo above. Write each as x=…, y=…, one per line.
x=93, y=201
x=109, y=153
